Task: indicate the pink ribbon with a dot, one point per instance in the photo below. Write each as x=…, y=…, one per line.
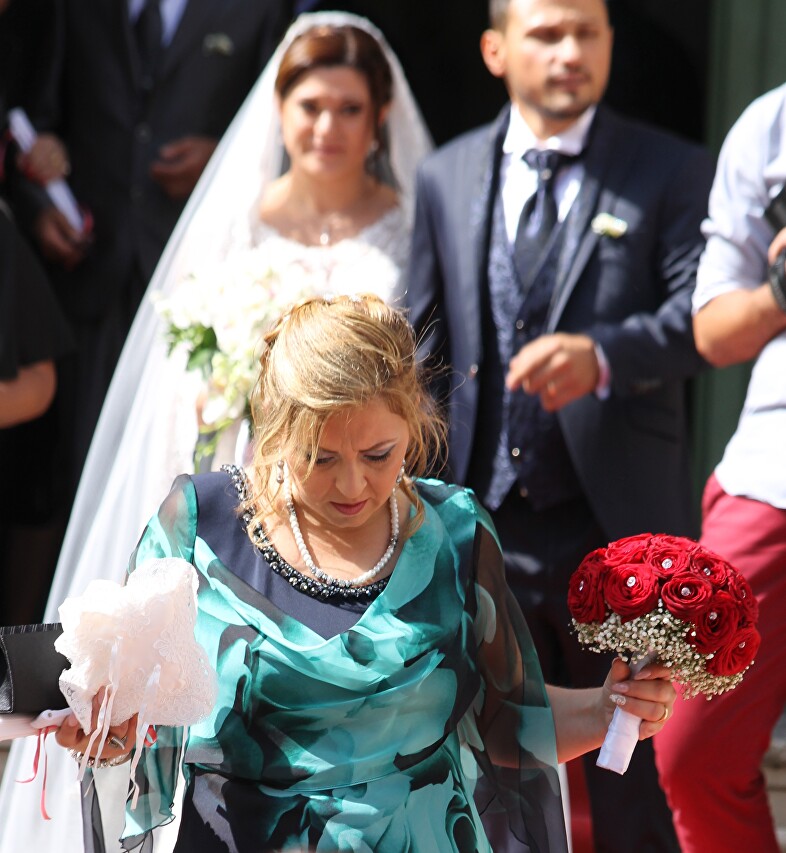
x=40, y=747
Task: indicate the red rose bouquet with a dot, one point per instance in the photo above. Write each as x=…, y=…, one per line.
x=664, y=597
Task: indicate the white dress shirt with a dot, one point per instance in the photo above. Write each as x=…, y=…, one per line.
x=751, y=171
x=518, y=181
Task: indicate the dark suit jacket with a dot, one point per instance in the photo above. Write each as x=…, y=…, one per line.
x=95, y=102
x=630, y=293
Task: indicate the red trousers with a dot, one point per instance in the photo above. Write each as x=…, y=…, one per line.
x=709, y=754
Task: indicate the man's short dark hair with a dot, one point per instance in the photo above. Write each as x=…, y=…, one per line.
x=498, y=13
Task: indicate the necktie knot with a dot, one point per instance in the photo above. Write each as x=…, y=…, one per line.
x=546, y=163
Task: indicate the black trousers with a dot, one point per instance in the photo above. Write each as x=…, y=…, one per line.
x=541, y=550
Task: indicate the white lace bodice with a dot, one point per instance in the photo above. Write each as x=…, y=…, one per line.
x=373, y=261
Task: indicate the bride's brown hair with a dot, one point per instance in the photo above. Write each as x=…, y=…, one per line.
x=331, y=47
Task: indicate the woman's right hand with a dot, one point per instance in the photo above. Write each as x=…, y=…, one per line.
x=46, y=161
x=119, y=740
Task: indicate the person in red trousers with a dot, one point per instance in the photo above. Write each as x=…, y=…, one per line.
x=710, y=757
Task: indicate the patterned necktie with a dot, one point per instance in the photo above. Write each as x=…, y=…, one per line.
x=147, y=34
x=539, y=215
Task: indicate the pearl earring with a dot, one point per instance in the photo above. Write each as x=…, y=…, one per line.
x=401, y=473
x=280, y=471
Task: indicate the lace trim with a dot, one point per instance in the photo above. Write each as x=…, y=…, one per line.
x=299, y=581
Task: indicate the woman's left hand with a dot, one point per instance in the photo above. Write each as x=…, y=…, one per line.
x=649, y=694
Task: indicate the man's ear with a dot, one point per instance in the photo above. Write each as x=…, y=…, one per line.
x=492, y=49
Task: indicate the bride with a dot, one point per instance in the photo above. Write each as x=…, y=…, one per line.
x=334, y=104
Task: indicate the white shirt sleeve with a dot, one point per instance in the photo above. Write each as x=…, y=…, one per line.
x=751, y=170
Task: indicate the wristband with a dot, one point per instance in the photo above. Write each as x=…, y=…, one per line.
x=777, y=280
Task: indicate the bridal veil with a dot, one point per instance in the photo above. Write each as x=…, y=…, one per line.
x=147, y=430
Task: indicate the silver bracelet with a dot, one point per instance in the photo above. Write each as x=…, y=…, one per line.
x=99, y=762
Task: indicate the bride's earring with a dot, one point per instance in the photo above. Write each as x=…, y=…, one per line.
x=372, y=157
x=401, y=474
x=280, y=471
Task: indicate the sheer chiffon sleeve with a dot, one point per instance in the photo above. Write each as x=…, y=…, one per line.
x=170, y=533
x=510, y=728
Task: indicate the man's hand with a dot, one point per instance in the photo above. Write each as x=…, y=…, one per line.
x=46, y=161
x=180, y=163
x=777, y=246
x=560, y=368
x=59, y=240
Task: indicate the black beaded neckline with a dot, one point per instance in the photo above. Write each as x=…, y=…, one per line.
x=310, y=586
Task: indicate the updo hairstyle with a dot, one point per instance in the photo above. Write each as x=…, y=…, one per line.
x=329, y=355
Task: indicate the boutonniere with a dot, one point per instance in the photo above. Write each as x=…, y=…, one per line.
x=219, y=43
x=609, y=226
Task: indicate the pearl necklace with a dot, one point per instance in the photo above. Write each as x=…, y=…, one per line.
x=309, y=561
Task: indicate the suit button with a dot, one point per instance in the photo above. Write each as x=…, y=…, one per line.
x=515, y=452
x=524, y=492
x=473, y=371
x=142, y=132
x=519, y=325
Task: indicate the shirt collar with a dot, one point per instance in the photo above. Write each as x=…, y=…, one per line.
x=519, y=138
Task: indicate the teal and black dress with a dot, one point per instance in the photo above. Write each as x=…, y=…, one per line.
x=387, y=723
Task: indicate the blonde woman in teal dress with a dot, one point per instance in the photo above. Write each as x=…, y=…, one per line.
x=378, y=688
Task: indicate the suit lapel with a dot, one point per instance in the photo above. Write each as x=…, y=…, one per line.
x=190, y=28
x=604, y=160
x=483, y=190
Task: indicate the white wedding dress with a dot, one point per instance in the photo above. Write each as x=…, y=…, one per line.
x=147, y=431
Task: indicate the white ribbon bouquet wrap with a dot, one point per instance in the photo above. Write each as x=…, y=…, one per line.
x=623, y=732
x=136, y=641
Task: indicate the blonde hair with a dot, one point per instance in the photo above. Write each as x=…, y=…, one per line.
x=329, y=355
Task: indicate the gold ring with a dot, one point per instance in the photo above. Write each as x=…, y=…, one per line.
x=665, y=715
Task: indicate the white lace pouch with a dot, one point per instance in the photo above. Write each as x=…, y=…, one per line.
x=137, y=641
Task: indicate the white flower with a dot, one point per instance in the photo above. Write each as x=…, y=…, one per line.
x=219, y=314
x=609, y=226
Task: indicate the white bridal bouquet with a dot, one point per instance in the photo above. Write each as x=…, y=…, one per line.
x=218, y=317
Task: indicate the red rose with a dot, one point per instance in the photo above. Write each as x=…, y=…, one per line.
x=686, y=595
x=585, y=597
x=716, y=626
x=670, y=554
x=631, y=590
x=738, y=654
x=711, y=566
x=741, y=591
x=632, y=549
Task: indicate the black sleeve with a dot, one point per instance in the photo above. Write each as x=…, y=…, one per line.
x=32, y=325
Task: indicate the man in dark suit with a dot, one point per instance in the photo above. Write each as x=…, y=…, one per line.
x=140, y=92
x=557, y=291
